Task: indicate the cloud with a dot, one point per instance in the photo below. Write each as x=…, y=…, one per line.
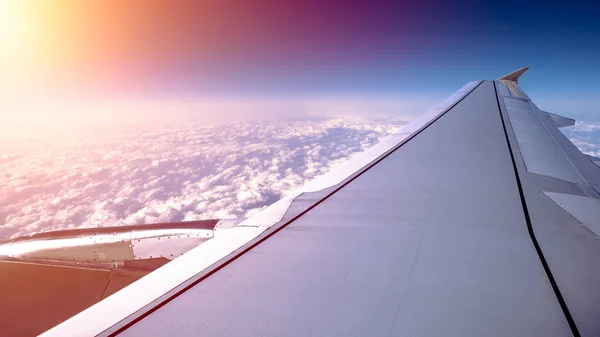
x=194, y=169
x=586, y=136
x=173, y=173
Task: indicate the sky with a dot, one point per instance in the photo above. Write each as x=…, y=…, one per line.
x=165, y=49
x=127, y=112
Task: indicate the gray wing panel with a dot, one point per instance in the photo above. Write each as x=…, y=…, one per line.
x=561, y=198
x=431, y=241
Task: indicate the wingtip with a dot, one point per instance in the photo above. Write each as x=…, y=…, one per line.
x=514, y=76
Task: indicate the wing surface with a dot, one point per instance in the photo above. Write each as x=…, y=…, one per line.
x=447, y=231
x=560, y=188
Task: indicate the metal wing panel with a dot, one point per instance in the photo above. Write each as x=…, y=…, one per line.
x=584, y=209
x=430, y=241
x=588, y=172
x=537, y=147
x=146, y=294
x=532, y=125
x=571, y=250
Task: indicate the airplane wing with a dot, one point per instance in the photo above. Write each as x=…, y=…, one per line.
x=478, y=219
x=54, y=275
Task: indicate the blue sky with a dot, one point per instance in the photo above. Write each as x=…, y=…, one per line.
x=186, y=49
x=429, y=50
x=383, y=48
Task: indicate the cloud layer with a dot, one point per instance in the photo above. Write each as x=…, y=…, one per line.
x=183, y=172
x=174, y=173
x=586, y=136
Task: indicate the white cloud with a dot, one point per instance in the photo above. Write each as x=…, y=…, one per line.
x=183, y=171
x=174, y=173
x=586, y=136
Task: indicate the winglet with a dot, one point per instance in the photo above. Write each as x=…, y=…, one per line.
x=514, y=76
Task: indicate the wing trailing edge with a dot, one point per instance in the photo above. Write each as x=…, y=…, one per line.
x=559, y=120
